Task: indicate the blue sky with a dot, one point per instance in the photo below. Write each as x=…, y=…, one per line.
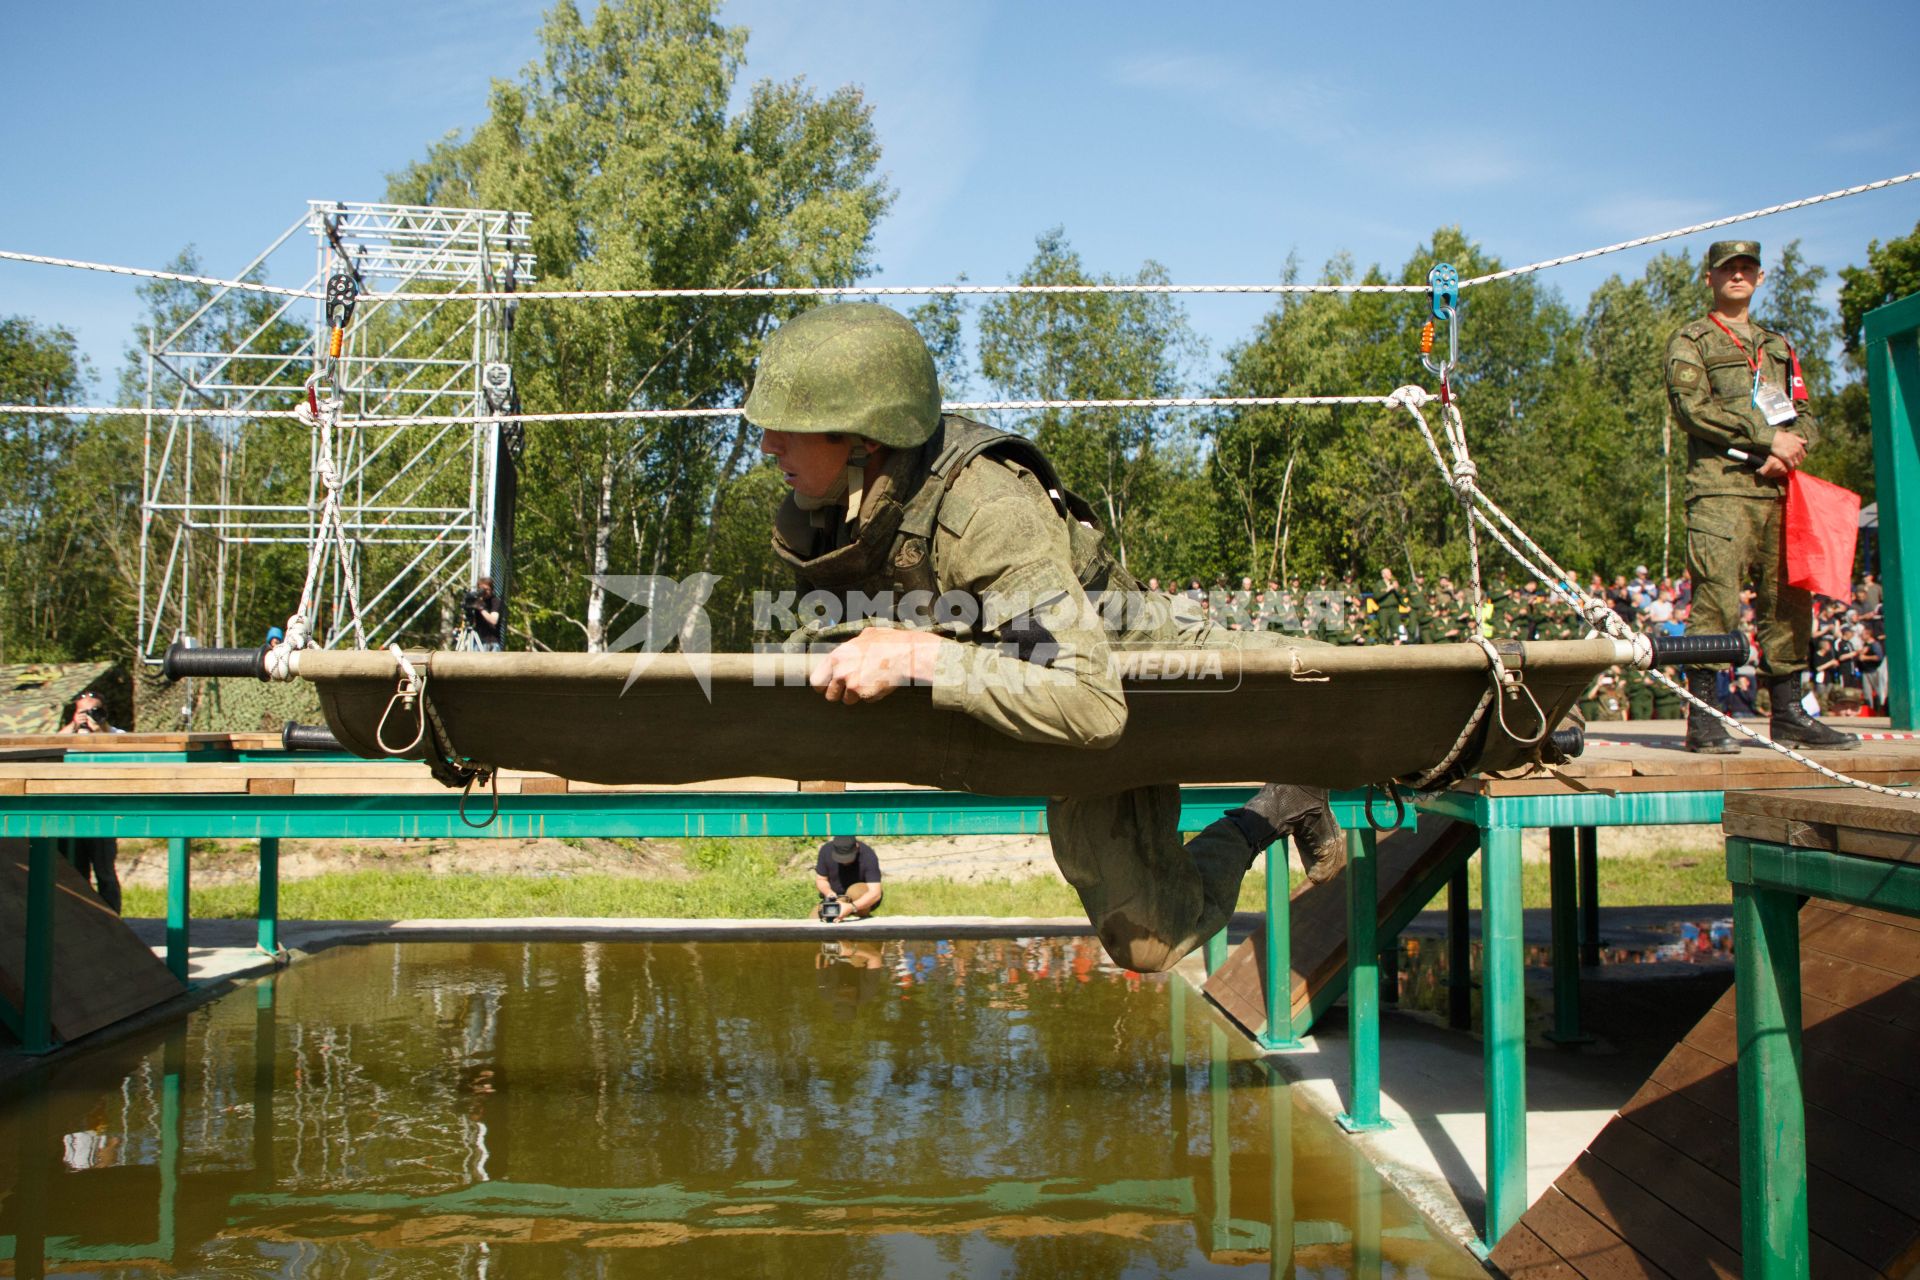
x=1214, y=139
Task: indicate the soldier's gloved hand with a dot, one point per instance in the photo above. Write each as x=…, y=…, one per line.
x=875, y=663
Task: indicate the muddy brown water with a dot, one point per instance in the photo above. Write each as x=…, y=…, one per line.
x=870, y=1108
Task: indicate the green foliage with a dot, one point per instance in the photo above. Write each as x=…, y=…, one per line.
x=1892, y=272
x=46, y=570
x=624, y=141
x=1099, y=346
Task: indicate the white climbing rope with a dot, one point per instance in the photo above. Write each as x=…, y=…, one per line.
x=624, y=415
x=1697, y=227
x=1462, y=477
x=949, y=290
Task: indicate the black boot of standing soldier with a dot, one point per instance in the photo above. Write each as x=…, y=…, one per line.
x=1705, y=733
x=1792, y=725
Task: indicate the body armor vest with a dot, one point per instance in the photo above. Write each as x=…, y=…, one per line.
x=892, y=551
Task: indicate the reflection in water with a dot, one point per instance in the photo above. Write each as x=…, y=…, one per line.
x=859, y=1108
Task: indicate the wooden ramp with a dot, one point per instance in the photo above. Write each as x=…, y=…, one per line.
x=1657, y=1193
x=101, y=972
x=1413, y=866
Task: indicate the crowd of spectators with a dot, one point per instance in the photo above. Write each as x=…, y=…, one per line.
x=1847, y=663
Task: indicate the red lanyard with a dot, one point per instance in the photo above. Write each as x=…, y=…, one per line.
x=1753, y=361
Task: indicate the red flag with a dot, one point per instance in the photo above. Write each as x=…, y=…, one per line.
x=1823, y=521
x=1797, y=384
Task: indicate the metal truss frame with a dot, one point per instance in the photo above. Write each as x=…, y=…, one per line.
x=426, y=507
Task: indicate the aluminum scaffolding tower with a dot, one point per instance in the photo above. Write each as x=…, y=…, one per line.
x=226, y=503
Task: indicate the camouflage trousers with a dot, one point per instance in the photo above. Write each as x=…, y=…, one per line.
x=1151, y=897
x=1733, y=540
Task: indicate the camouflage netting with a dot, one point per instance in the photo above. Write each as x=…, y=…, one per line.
x=37, y=697
x=226, y=705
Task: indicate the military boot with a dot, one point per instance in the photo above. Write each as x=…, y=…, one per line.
x=1705, y=733
x=1301, y=812
x=1792, y=725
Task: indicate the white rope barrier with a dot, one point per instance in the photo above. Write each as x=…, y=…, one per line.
x=950, y=290
x=1697, y=227
x=636, y=415
x=1462, y=478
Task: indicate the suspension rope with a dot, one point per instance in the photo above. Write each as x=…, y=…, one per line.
x=950, y=290
x=1751, y=214
x=1462, y=478
x=624, y=415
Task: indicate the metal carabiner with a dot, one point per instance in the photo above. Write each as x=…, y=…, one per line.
x=1444, y=282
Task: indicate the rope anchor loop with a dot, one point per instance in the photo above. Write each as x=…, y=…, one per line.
x=1443, y=284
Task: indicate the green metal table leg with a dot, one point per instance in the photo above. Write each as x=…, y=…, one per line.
x=1280, y=1180
x=1219, y=1140
x=1459, y=955
x=1773, y=1118
x=1277, y=981
x=1566, y=945
x=1363, y=987
x=178, y=890
x=173, y=1065
x=266, y=1043
x=1177, y=1028
x=269, y=910
x=1503, y=1029
x=1589, y=897
x=1215, y=952
x=1368, y=1191
x=36, y=1000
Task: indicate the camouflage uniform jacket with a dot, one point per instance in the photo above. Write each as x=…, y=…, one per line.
x=977, y=516
x=1710, y=397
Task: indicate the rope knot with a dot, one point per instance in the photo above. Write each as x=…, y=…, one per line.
x=1465, y=477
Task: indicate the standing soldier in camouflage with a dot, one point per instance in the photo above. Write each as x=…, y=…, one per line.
x=1735, y=387
x=891, y=499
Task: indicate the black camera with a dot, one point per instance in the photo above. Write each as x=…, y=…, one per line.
x=831, y=908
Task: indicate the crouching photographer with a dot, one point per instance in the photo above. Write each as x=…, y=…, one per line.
x=847, y=876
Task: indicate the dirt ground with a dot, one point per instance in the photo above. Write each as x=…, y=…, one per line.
x=967, y=859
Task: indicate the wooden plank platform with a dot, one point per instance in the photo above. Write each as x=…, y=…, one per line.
x=1658, y=1191
x=101, y=972
x=1319, y=923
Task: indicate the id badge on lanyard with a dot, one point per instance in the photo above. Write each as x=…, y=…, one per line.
x=1773, y=402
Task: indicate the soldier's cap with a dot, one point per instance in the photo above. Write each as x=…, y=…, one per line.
x=1723, y=251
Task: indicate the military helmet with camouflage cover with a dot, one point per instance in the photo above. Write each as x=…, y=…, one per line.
x=853, y=367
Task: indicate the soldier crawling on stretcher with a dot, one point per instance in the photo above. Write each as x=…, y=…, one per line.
x=892, y=501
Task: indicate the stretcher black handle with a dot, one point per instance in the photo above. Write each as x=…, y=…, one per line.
x=295, y=736
x=182, y=661
x=1700, y=651
x=1566, y=743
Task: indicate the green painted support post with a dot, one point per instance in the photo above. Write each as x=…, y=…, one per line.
x=1219, y=1140
x=269, y=909
x=1368, y=1191
x=1280, y=1176
x=37, y=1165
x=173, y=1065
x=1459, y=955
x=1773, y=1118
x=1589, y=897
x=1277, y=981
x=1566, y=945
x=266, y=1045
x=1363, y=986
x=178, y=892
x=1215, y=952
x=1503, y=1029
x=1893, y=381
x=1177, y=1028
x=36, y=999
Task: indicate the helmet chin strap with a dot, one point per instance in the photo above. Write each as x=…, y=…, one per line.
x=856, y=480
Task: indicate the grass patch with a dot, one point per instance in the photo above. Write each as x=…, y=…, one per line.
x=752, y=880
